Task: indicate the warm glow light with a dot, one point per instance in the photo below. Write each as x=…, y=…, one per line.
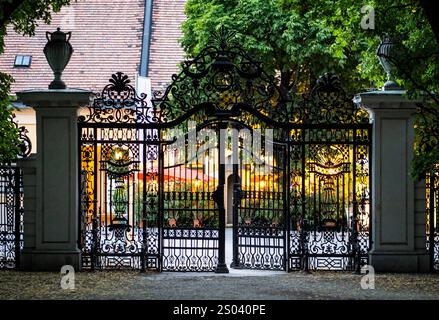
x=118, y=155
x=197, y=183
x=262, y=184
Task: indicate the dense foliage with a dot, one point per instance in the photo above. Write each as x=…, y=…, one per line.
x=8, y=131
x=416, y=58
x=299, y=40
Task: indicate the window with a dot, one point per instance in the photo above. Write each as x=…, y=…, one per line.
x=22, y=61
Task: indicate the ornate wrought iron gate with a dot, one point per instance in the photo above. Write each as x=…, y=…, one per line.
x=119, y=166
x=260, y=212
x=154, y=172
x=191, y=212
x=330, y=197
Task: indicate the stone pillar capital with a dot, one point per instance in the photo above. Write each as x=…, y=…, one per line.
x=388, y=101
x=55, y=98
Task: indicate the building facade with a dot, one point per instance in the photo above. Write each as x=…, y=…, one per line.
x=137, y=37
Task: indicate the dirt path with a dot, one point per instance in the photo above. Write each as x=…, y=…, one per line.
x=259, y=285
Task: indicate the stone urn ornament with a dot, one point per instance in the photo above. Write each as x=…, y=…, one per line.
x=385, y=51
x=58, y=51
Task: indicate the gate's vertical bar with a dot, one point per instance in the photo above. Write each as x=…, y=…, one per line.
x=144, y=257
x=80, y=191
x=304, y=224
x=161, y=182
x=237, y=193
x=80, y=206
x=237, y=196
x=354, y=222
x=17, y=193
x=95, y=201
x=221, y=267
x=431, y=220
x=370, y=188
x=236, y=202
x=286, y=201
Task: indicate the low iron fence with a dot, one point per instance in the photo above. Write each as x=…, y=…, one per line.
x=433, y=218
x=11, y=204
x=11, y=216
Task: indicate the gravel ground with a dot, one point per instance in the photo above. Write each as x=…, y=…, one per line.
x=236, y=285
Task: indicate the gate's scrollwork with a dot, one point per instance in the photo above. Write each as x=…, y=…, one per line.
x=155, y=191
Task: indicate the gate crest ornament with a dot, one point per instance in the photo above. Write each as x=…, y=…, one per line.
x=118, y=102
x=224, y=80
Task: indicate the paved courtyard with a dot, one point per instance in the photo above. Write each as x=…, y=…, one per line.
x=236, y=285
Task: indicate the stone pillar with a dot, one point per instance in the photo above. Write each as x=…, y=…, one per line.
x=56, y=214
x=398, y=201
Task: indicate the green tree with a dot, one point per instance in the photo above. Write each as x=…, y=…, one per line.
x=416, y=62
x=24, y=16
x=298, y=40
x=294, y=39
x=8, y=131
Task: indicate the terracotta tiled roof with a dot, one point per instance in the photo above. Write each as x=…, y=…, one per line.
x=106, y=37
x=165, y=51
